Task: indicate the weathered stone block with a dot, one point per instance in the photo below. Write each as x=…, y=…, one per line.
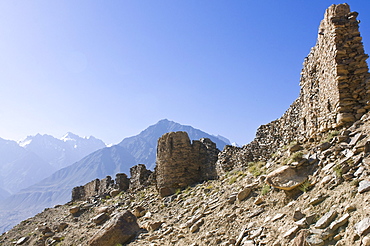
x=140, y=177
x=285, y=178
x=118, y=230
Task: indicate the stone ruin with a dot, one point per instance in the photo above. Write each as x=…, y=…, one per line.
x=140, y=178
x=335, y=91
x=101, y=187
x=181, y=163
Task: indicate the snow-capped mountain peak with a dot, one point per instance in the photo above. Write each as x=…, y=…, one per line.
x=63, y=151
x=69, y=136
x=24, y=142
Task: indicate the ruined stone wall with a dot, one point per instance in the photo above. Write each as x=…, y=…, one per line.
x=140, y=177
x=87, y=190
x=122, y=182
x=100, y=187
x=334, y=79
x=181, y=163
x=106, y=185
x=208, y=157
x=335, y=91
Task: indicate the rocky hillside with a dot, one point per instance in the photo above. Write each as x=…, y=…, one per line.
x=330, y=206
x=304, y=180
x=56, y=188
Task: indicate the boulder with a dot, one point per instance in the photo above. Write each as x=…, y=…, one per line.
x=314, y=240
x=114, y=192
x=324, y=146
x=61, y=227
x=100, y=218
x=300, y=239
x=298, y=215
x=74, y=209
x=139, y=211
x=21, y=241
x=152, y=226
x=366, y=241
x=291, y=232
x=285, y=178
x=363, y=227
x=244, y=194
x=325, y=220
x=364, y=186
x=339, y=222
x=295, y=148
x=118, y=230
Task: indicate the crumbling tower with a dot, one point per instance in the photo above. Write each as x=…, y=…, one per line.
x=181, y=163
x=334, y=78
x=335, y=92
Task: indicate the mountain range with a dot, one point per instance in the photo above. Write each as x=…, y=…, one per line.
x=56, y=189
x=61, y=152
x=27, y=162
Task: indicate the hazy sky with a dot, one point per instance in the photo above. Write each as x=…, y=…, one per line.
x=112, y=68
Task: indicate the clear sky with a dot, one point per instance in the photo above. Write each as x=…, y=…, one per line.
x=112, y=68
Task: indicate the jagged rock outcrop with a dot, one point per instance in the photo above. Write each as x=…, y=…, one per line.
x=334, y=92
x=181, y=163
x=101, y=187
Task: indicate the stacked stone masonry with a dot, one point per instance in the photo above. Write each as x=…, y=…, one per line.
x=140, y=177
x=335, y=91
x=100, y=187
x=181, y=163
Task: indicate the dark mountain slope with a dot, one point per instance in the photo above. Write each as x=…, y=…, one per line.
x=143, y=146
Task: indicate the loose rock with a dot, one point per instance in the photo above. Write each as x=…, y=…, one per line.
x=121, y=228
x=285, y=178
x=364, y=186
x=363, y=227
x=326, y=219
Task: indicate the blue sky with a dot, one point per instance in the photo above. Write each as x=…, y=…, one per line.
x=112, y=68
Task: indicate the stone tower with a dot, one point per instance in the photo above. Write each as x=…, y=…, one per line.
x=334, y=78
x=181, y=163
x=335, y=91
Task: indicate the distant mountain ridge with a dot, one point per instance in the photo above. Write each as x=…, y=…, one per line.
x=28, y=161
x=143, y=146
x=19, y=168
x=64, y=151
x=56, y=189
